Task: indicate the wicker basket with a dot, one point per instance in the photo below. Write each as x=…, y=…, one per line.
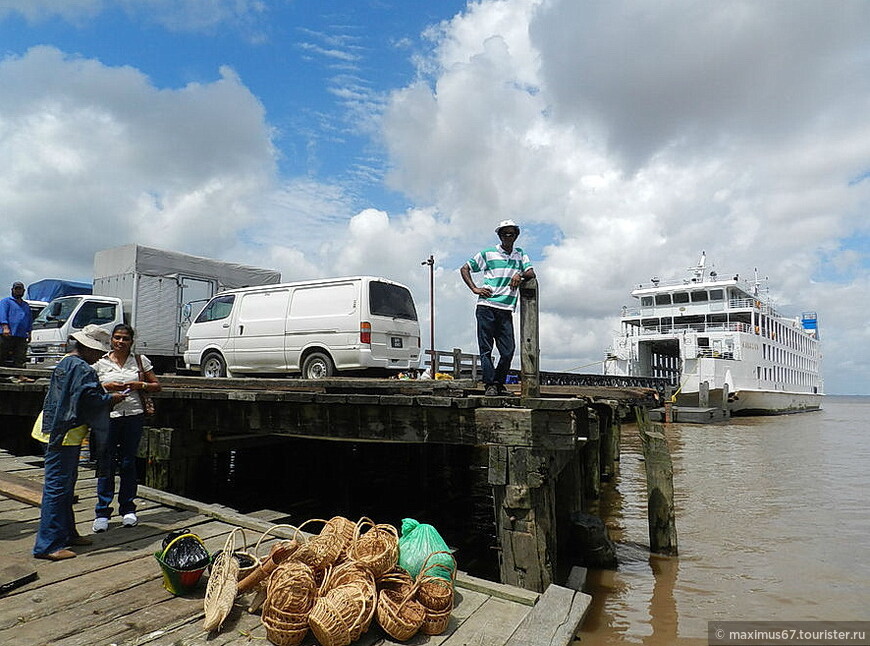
x=377, y=548
x=436, y=621
x=343, y=529
x=341, y=615
x=223, y=582
x=399, y=614
x=291, y=587
x=435, y=583
x=284, y=629
x=321, y=550
x=280, y=551
x=397, y=580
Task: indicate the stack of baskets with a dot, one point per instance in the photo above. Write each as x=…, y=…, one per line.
x=336, y=582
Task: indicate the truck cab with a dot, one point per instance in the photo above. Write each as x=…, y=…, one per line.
x=62, y=317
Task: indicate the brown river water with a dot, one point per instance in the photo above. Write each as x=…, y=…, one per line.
x=773, y=523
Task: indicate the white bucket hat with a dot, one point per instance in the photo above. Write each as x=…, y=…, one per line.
x=507, y=223
x=94, y=337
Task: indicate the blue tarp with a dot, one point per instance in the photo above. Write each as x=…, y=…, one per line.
x=51, y=288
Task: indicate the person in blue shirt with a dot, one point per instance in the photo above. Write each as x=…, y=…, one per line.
x=16, y=322
x=74, y=398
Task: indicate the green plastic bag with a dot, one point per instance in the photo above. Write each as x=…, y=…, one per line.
x=417, y=549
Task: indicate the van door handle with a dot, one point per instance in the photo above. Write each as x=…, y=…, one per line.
x=225, y=325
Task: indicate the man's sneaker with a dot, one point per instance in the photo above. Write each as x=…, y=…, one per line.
x=491, y=391
x=101, y=525
x=129, y=520
x=502, y=390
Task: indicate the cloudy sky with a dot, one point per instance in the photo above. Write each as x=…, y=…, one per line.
x=332, y=137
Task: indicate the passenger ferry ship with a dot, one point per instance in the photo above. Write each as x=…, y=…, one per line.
x=720, y=342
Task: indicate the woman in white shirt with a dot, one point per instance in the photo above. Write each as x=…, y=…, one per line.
x=119, y=372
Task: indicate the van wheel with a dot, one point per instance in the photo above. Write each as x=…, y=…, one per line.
x=213, y=365
x=317, y=365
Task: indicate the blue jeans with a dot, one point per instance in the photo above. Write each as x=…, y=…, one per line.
x=498, y=326
x=124, y=436
x=57, y=524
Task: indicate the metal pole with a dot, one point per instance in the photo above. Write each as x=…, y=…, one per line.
x=431, y=262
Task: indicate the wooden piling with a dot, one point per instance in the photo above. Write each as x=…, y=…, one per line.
x=659, y=485
x=592, y=459
x=529, y=340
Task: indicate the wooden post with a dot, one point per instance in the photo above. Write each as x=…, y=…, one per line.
x=457, y=363
x=703, y=394
x=524, y=501
x=592, y=458
x=610, y=433
x=529, y=339
x=659, y=485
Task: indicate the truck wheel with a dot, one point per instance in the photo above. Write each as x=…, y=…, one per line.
x=213, y=365
x=317, y=365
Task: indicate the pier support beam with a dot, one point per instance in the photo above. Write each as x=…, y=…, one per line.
x=659, y=485
x=530, y=376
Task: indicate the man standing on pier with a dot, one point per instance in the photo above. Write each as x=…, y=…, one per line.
x=504, y=267
x=15, y=325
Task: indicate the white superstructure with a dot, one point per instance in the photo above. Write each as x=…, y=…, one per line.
x=720, y=340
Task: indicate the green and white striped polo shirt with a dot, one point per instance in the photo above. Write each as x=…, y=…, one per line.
x=498, y=268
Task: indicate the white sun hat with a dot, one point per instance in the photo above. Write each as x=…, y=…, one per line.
x=507, y=223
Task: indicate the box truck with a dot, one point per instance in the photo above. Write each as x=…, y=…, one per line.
x=316, y=328
x=155, y=291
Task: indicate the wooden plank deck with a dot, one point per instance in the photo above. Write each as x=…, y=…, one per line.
x=113, y=594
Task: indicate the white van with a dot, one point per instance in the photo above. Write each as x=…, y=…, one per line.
x=314, y=327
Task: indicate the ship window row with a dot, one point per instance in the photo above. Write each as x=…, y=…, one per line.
x=679, y=298
x=788, y=358
x=782, y=375
x=787, y=336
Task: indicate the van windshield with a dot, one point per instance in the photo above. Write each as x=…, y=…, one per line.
x=56, y=313
x=391, y=300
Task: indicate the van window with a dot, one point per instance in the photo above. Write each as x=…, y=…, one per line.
x=96, y=313
x=391, y=300
x=324, y=300
x=55, y=313
x=219, y=308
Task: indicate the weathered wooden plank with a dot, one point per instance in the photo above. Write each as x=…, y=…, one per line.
x=492, y=624
x=493, y=589
x=554, y=620
x=19, y=488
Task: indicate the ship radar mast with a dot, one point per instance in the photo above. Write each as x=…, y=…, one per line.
x=698, y=270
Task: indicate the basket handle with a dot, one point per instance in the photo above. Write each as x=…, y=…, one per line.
x=362, y=522
x=269, y=531
x=175, y=540
x=425, y=568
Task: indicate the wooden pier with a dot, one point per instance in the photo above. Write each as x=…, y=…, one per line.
x=545, y=448
x=112, y=592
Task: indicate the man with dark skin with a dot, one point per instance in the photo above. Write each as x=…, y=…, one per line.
x=504, y=267
x=16, y=322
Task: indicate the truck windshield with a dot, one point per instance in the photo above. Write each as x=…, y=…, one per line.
x=56, y=313
x=391, y=300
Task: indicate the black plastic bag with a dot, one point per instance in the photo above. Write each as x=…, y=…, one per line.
x=183, y=550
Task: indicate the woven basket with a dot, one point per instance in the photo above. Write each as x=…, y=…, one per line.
x=436, y=621
x=223, y=583
x=343, y=529
x=399, y=614
x=377, y=548
x=397, y=580
x=340, y=616
x=291, y=587
x=321, y=550
x=435, y=591
x=283, y=631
